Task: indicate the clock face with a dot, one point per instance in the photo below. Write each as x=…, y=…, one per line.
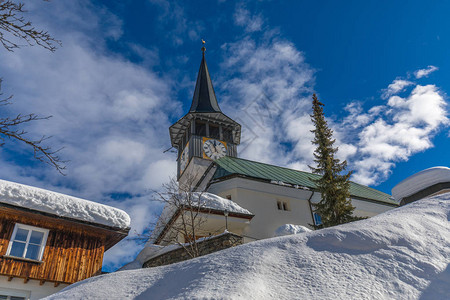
x=184, y=158
x=214, y=149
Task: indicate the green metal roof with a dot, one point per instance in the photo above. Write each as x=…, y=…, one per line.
x=228, y=166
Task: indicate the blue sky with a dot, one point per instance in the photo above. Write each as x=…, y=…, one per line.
x=127, y=71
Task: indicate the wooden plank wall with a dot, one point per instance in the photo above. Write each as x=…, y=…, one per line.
x=72, y=253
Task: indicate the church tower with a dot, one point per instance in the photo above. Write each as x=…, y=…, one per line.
x=205, y=133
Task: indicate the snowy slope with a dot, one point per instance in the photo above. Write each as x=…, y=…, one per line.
x=288, y=229
x=62, y=205
x=401, y=254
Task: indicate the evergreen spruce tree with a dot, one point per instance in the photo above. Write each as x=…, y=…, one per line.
x=335, y=207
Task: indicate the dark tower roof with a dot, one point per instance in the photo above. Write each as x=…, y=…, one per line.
x=205, y=108
x=204, y=99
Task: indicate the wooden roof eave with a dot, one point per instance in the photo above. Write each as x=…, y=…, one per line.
x=114, y=234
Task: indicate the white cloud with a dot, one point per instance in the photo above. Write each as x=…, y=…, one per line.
x=243, y=17
x=397, y=86
x=425, y=72
x=110, y=115
x=269, y=94
x=404, y=128
x=356, y=117
x=173, y=22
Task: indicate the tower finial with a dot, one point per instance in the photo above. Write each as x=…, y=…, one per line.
x=203, y=48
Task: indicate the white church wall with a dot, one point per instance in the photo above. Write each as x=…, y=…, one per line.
x=30, y=290
x=261, y=199
x=194, y=171
x=369, y=209
x=363, y=208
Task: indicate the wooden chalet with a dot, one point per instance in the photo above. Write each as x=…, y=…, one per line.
x=42, y=251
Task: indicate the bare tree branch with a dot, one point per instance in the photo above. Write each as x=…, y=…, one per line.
x=189, y=212
x=9, y=129
x=13, y=26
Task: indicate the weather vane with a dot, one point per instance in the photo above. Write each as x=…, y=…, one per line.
x=203, y=48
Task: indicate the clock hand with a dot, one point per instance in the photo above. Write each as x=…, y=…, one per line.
x=211, y=147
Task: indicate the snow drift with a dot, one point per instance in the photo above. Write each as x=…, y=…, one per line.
x=62, y=205
x=288, y=229
x=401, y=254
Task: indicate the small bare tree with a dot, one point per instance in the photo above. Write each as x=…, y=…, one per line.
x=13, y=29
x=184, y=215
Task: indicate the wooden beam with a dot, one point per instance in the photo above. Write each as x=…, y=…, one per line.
x=10, y=278
x=41, y=282
x=56, y=284
x=26, y=280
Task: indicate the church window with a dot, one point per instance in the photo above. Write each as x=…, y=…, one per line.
x=227, y=135
x=317, y=219
x=27, y=242
x=200, y=128
x=214, y=132
x=183, y=141
x=283, y=205
x=188, y=135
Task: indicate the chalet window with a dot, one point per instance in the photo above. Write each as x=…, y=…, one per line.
x=9, y=294
x=228, y=197
x=9, y=297
x=27, y=242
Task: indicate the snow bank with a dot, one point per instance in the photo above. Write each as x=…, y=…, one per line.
x=288, y=229
x=61, y=205
x=401, y=254
x=420, y=181
x=207, y=201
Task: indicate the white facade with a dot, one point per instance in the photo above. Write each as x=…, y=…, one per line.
x=30, y=290
x=262, y=198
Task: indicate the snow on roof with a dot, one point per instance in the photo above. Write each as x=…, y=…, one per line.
x=207, y=201
x=62, y=205
x=288, y=229
x=420, y=181
x=400, y=254
x=212, y=201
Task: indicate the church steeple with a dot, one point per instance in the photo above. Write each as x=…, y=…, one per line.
x=205, y=133
x=204, y=99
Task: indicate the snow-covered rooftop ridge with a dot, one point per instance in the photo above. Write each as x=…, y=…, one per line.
x=207, y=201
x=62, y=205
x=215, y=202
x=400, y=254
x=419, y=181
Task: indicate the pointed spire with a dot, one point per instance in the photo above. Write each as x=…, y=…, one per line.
x=204, y=99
